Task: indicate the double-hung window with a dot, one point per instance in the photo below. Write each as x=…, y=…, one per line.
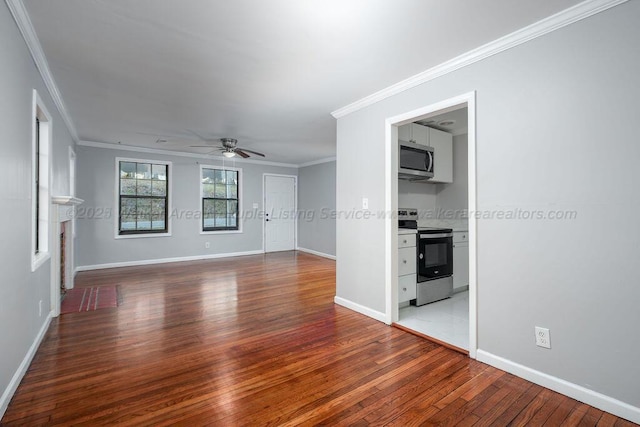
x=143, y=197
x=220, y=194
x=40, y=194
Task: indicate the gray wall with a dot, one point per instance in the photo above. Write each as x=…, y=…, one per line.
x=556, y=129
x=454, y=197
x=22, y=290
x=316, y=203
x=96, y=185
x=419, y=195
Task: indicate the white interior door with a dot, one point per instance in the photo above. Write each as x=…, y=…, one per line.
x=280, y=213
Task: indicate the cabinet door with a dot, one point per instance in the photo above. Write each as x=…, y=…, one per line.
x=460, y=265
x=420, y=134
x=406, y=261
x=407, y=288
x=412, y=132
x=442, y=143
x=404, y=132
x=406, y=240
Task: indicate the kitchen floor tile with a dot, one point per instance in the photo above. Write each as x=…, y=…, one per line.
x=446, y=320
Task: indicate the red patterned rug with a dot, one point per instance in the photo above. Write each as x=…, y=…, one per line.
x=89, y=299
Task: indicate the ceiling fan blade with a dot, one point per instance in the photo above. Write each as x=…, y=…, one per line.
x=250, y=151
x=203, y=146
x=241, y=153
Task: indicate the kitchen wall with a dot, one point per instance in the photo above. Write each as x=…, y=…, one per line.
x=556, y=133
x=317, y=207
x=452, y=199
x=419, y=195
x=96, y=185
x=22, y=290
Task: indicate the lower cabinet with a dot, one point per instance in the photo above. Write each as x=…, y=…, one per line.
x=460, y=260
x=407, y=288
x=406, y=267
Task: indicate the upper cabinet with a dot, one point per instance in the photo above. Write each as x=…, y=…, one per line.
x=442, y=143
x=414, y=133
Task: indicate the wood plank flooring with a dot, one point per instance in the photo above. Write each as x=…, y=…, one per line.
x=257, y=340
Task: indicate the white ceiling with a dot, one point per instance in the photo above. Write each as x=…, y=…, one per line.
x=267, y=72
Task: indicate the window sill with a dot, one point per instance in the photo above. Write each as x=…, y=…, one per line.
x=141, y=236
x=38, y=260
x=222, y=232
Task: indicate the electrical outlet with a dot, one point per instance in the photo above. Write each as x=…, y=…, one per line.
x=207, y=245
x=365, y=203
x=256, y=206
x=40, y=309
x=542, y=337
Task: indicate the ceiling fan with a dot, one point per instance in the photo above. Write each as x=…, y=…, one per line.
x=229, y=148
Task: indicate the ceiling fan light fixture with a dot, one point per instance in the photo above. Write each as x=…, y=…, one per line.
x=228, y=153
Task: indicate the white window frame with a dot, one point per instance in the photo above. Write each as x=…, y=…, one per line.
x=240, y=203
x=72, y=186
x=117, y=198
x=41, y=211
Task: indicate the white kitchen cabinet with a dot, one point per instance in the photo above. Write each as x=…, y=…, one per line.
x=442, y=143
x=407, y=241
x=407, y=288
x=406, y=261
x=412, y=132
x=407, y=267
x=460, y=260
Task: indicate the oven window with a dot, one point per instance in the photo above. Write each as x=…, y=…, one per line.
x=435, y=254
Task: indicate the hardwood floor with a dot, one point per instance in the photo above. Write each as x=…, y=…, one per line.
x=257, y=340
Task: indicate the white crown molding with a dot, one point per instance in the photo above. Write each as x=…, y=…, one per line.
x=108, y=146
x=23, y=21
x=575, y=391
x=561, y=19
x=317, y=162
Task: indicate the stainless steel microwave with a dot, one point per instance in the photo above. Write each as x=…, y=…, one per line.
x=415, y=161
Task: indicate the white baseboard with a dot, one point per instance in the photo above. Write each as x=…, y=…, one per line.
x=590, y=397
x=361, y=309
x=22, y=369
x=165, y=260
x=312, y=252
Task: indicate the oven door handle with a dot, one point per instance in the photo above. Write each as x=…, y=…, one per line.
x=436, y=236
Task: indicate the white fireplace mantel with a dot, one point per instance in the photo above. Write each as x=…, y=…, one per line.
x=59, y=215
x=66, y=200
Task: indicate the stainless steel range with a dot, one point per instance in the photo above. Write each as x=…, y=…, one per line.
x=435, y=265
x=434, y=259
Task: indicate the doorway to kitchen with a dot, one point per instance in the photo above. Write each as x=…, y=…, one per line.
x=444, y=203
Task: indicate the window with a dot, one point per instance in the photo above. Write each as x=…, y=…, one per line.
x=143, y=197
x=220, y=192
x=40, y=197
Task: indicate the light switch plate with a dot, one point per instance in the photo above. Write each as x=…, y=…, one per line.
x=365, y=203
